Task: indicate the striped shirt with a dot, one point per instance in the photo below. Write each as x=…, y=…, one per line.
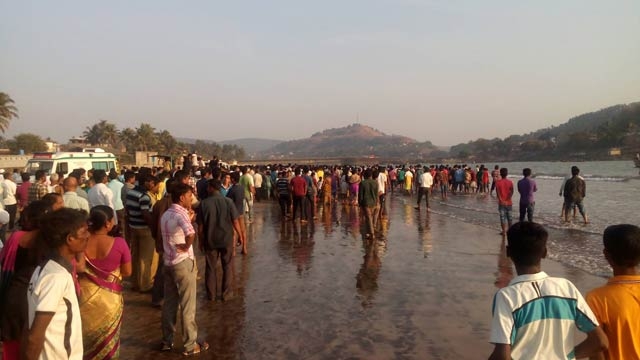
x=137, y=201
x=175, y=226
x=538, y=316
x=282, y=185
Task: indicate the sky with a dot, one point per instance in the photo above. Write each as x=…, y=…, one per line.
x=443, y=71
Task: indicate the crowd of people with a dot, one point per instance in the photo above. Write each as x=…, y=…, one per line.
x=72, y=239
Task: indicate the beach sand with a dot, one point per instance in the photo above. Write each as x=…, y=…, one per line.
x=423, y=290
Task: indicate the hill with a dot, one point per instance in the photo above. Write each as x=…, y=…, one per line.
x=355, y=140
x=252, y=146
x=589, y=136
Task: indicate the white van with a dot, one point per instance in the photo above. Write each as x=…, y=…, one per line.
x=66, y=162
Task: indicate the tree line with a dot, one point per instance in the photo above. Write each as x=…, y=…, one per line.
x=124, y=142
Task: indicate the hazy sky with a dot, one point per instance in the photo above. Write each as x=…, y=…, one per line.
x=446, y=71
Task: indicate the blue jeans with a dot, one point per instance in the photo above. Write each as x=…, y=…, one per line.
x=527, y=209
x=505, y=214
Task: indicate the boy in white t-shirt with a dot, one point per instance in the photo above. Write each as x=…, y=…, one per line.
x=55, y=328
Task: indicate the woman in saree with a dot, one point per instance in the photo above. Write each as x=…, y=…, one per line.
x=19, y=258
x=106, y=261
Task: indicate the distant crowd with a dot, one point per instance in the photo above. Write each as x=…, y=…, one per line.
x=71, y=239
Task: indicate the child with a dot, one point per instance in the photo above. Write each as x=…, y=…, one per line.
x=55, y=330
x=535, y=316
x=617, y=304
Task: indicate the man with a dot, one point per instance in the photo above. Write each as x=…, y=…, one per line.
x=425, y=181
x=246, y=183
x=9, y=188
x=100, y=194
x=143, y=253
x=180, y=272
x=298, y=187
x=116, y=188
x=70, y=196
x=236, y=194
x=282, y=191
x=201, y=185
x=536, y=316
x=504, y=191
x=257, y=184
x=526, y=188
x=495, y=175
x=78, y=174
x=368, y=201
x=54, y=329
x=617, y=304
x=574, y=192
x=39, y=189
x=217, y=220
x=160, y=207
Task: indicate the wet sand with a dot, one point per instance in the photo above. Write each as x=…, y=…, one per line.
x=421, y=290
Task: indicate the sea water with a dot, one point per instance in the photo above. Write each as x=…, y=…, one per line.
x=612, y=197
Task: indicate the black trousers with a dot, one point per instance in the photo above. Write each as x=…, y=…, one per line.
x=283, y=199
x=298, y=201
x=423, y=191
x=12, y=210
x=210, y=276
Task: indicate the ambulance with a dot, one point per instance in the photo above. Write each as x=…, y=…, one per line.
x=66, y=162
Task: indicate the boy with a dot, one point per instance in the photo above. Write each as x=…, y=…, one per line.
x=535, y=316
x=617, y=304
x=55, y=330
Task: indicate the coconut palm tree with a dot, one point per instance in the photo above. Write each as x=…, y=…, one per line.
x=146, y=136
x=93, y=134
x=8, y=111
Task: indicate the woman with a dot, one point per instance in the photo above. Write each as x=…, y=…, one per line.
x=19, y=258
x=106, y=261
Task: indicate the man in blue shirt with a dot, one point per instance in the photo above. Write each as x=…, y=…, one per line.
x=526, y=188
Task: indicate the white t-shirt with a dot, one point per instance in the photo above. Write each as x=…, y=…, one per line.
x=9, y=192
x=382, y=182
x=51, y=290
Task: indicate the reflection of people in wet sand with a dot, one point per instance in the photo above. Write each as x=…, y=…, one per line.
x=505, y=270
x=367, y=278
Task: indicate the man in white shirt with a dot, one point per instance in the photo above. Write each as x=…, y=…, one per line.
x=382, y=180
x=425, y=181
x=9, y=200
x=100, y=194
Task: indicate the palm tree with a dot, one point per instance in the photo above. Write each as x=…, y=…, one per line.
x=146, y=136
x=167, y=143
x=109, y=133
x=93, y=134
x=128, y=138
x=8, y=111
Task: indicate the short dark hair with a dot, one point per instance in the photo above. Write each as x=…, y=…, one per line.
x=178, y=190
x=527, y=243
x=40, y=174
x=25, y=176
x=575, y=170
x=526, y=172
x=99, y=175
x=367, y=174
x=180, y=175
x=622, y=242
x=56, y=226
x=504, y=172
x=128, y=175
x=214, y=184
x=235, y=176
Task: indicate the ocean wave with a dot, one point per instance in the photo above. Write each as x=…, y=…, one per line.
x=587, y=177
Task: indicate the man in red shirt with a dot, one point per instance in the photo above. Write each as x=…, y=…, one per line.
x=299, y=191
x=504, y=191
